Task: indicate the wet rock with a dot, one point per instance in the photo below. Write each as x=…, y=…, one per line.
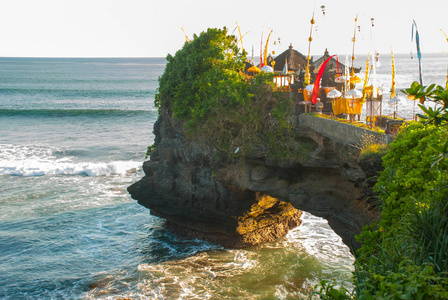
x=199, y=196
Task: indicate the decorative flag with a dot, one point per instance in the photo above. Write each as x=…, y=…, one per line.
x=446, y=87
x=317, y=81
x=337, y=63
x=265, y=62
x=186, y=37
x=241, y=38
x=419, y=54
x=374, y=85
x=307, y=79
x=261, y=51
x=253, y=60
x=338, y=78
x=392, y=89
x=366, y=79
x=347, y=79
x=354, y=40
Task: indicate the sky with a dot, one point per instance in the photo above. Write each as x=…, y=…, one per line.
x=150, y=28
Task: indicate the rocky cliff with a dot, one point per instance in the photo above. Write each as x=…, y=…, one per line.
x=256, y=199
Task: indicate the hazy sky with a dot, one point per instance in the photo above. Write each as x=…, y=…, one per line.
x=150, y=28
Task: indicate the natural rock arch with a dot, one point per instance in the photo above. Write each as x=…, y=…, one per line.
x=184, y=184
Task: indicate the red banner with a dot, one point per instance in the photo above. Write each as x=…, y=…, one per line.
x=317, y=81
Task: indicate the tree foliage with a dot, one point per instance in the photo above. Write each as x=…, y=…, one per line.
x=435, y=94
x=203, y=75
x=203, y=85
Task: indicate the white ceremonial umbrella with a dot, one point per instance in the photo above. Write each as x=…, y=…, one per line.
x=395, y=100
x=267, y=69
x=333, y=94
x=309, y=88
x=354, y=94
x=339, y=79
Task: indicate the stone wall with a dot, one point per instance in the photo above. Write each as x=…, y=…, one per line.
x=343, y=132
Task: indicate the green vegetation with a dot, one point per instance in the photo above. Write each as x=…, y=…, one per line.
x=435, y=94
x=149, y=150
x=203, y=76
x=405, y=254
x=203, y=85
x=373, y=150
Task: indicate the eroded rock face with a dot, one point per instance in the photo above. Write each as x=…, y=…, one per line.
x=267, y=220
x=256, y=200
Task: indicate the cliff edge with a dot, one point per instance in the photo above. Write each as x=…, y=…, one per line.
x=255, y=199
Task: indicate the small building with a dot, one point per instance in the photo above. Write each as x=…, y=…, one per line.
x=296, y=61
x=330, y=70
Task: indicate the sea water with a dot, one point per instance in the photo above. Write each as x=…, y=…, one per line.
x=73, y=136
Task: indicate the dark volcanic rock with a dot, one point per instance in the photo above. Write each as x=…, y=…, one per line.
x=185, y=184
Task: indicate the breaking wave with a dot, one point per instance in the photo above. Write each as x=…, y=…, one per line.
x=41, y=160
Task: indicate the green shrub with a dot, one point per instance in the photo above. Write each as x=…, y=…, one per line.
x=203, y=85
x=404, y=255
x=202, y=76
x=408, y=282
x=409, y=173
x=149, y=150
x=427, y=231
x=329, y=291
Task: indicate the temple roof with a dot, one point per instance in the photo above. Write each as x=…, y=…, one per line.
x=296, y=60
x=332, y=64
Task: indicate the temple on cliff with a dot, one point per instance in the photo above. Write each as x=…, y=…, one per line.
x=289, y=70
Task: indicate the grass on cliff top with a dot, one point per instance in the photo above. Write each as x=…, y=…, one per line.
x=370, y=148
x=357, y=124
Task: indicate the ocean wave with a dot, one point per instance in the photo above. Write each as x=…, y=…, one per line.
x=29, y=168
x=78, y=93
x=161, y=64
x=41, y=160
x=320, y=241
x=75, y=112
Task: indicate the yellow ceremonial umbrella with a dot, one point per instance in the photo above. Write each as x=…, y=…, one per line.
x=254, y=69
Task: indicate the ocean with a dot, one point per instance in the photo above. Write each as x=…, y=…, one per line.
x=73, y=136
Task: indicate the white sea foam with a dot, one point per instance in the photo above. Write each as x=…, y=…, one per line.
x=40, y=160
x=38, y=168
x=320, y=241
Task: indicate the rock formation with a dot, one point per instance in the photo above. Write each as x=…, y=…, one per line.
x=258, y=199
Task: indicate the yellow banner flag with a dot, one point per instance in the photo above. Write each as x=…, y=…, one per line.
x=366, y=79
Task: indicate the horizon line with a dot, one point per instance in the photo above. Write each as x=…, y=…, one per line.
x=164, y=57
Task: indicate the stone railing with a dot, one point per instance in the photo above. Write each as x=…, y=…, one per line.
x=347, y=133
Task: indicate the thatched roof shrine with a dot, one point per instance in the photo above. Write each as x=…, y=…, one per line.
x=296, y=60
x=331, y=66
